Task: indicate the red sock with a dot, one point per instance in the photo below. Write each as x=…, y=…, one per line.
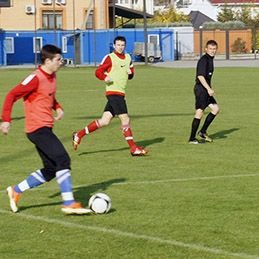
x=94, y=125
x=128, y=135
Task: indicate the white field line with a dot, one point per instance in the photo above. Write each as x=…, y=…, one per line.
x=190, y=179
x=116, y=232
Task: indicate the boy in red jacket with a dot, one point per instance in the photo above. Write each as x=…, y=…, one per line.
x=38, y=91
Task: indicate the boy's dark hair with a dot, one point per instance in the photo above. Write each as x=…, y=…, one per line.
x=49, y=51
x=121, y=38
x=212, y=43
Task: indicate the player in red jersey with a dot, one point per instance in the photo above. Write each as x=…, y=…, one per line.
x=115, y=70
x=38, y=91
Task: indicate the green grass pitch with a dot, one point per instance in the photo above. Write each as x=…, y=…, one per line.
x=181, y=201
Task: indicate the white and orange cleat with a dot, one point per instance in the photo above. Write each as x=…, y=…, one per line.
x=75, y=208
x=138, y=151
x=14, y=198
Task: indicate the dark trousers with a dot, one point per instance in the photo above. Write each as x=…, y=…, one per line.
x=51, y=150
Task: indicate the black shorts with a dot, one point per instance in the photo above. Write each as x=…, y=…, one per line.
x=202, y=98
x=116, y=105
x=52, y=152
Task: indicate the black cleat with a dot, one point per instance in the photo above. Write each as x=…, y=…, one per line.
x=205, y=137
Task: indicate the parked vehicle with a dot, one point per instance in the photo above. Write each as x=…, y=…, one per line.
x=153, y=51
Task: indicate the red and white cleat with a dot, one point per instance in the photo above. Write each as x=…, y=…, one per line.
x=76, y=140
x=138, y=151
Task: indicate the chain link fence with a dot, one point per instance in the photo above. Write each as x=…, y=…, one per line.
x=232, y=43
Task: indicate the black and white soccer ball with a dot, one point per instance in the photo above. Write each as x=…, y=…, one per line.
x=100, y=203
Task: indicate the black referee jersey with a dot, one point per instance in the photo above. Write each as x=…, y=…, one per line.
x=205, y=67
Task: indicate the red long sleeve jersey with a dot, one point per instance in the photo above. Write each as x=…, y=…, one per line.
x=106, y=66
x=38, y=91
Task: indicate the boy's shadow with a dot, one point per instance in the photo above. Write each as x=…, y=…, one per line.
x=144, y=143
x=81, y=193
x=223, y=133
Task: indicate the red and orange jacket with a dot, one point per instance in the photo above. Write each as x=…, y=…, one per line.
x=38, y=91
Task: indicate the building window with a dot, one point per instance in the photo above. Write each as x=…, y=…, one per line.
x=5, y=3
x=37, y=44
x=64, y=44
x=9, y=45
x=52, y=20
x=153, y=38
x=90, y=21
x=183, y=3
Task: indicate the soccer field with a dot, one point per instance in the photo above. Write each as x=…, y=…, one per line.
x=180, y=201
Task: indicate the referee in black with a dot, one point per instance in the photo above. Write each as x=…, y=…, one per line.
x=204, y=94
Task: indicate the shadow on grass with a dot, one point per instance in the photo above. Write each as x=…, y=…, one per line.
x=40, y=205
x=18, y=118
x=223, y=133
x=91, y=117
x=144, y=143
x=81, y=193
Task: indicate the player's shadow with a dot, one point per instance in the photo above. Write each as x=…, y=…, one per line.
x=21, y=208
x=144, y=143
x=149, y=142
x=81, y=193
x=136, y=116
x=223, y=133
x=18, y=118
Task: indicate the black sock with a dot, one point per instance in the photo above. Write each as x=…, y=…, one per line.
x=195, y=126
x=210, y=117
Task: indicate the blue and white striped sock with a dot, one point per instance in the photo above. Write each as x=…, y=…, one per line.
x=64, y=181
x=33, y=180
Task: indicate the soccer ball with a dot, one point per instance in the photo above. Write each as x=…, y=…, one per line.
x=100, y=203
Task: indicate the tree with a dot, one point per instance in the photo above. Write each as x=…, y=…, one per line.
x=169, y=16
x=226, y=14
x=239, y=46
x=164, y=2
x=245, y=16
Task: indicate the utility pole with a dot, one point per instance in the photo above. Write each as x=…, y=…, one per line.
x=55, y=23
x=145, y=29
x=35, y=35
x=74, y=33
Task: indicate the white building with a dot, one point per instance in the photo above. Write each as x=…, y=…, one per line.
x=211, y=8
x=137, y=5
x=203, y=6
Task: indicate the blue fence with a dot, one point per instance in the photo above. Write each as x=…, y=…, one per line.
x=86, y=47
